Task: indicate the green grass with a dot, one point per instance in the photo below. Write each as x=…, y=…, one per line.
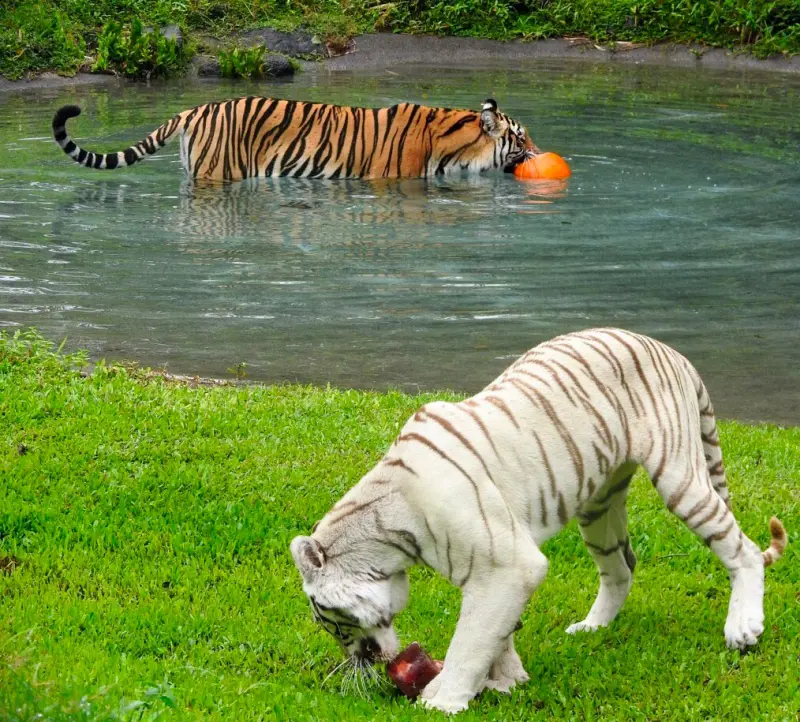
x=144, y=531
x=49, y=34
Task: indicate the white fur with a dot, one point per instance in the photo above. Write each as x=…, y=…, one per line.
x=472, y=489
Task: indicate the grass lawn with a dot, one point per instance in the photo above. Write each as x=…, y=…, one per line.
x=144, y=532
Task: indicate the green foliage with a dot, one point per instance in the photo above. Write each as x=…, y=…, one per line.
x=145, y=573
x=242, y=62
x=137, y=51
x=765, y=26
x=37, y=36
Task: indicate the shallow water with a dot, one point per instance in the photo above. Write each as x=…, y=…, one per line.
x=681, y=220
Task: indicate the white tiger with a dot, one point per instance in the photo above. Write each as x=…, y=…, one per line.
x=472, y=489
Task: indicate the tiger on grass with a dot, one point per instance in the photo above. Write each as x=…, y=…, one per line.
x=261, y=137
x=472, y=489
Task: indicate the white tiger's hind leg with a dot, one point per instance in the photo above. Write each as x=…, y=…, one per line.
x=686, y=487
x=604, y=526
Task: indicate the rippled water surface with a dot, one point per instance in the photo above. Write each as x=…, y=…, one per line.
x=682, y=220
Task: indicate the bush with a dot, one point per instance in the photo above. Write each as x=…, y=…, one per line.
x=137, y=51
x=37, y=36
x=242, y=62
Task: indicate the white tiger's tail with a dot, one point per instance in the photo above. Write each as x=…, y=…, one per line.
x=777, y=544
x=108, y=161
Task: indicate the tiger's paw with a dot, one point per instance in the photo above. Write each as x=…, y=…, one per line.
x=434, y=696
x=743, y=630
x=583, y=626
x=506, y=673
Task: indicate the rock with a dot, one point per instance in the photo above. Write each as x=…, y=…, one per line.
x=207, y=66
x=295, y=44
x=277, y=66
x=172, y=32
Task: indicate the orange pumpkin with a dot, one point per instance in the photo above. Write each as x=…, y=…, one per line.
x=545, y=166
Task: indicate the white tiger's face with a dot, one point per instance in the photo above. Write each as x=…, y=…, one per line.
x=357, y=609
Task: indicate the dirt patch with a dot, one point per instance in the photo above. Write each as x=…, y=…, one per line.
x=9, y=564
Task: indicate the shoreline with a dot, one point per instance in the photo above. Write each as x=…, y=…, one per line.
x=385, y=50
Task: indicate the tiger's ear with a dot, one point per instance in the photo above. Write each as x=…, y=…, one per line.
x=309, y=556
x=490, y=121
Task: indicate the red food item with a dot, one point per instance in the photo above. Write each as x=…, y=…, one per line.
x=545, y=166
x=412, y=669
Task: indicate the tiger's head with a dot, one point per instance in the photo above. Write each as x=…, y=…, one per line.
x=354, y=601
x=512, y=144
x=502, y=142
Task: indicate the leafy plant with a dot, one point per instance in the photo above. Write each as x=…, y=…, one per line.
x=242, y=62
x=37, y=36
x=137, y=51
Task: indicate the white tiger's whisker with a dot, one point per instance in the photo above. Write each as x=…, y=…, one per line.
x=335, y=670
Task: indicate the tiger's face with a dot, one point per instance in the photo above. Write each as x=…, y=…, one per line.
x=356, y=608
x=512, y=144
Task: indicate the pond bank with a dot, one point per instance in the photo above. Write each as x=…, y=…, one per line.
x=387, y=50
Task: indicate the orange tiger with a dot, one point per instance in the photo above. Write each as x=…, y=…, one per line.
x=260, y=137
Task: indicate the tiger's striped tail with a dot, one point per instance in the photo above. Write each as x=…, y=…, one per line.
x=151, y=144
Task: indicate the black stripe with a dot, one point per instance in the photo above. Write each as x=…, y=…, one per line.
x=69, y=147
x=458, y=125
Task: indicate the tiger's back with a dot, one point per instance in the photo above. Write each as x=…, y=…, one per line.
x=261, y=137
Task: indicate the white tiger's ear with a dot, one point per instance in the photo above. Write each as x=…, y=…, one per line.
x=309, y=556
x=490, y=121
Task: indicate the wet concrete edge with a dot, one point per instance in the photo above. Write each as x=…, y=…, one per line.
x=387, y=51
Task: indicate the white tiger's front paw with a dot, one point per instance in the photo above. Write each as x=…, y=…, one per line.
x=504, y=684
x=449, y=704
x=583, y=626
x=506, y=673
x=435, y=696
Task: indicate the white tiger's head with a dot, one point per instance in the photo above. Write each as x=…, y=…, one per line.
x=355, y=606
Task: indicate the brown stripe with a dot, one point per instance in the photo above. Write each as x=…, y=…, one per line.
x=720, y=535
x=549, y=469
x=616, y=365
x=448, y=426
x=543, y=507
x=699, y=506
x=572, y=448
x=708, y=440
x=639, y=371
x=402, y=464
x=562, y=509
x=356, y=508
x=717, y=470
x=477, y=419
x=676, y=496
x=427, y=442
x=708, y=517
x=500, y=404
x=469, y=570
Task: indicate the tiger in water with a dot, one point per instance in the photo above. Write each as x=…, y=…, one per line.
x=261, y=137
x=472, y=489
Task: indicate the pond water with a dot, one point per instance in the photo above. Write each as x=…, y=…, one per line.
x=681, y=220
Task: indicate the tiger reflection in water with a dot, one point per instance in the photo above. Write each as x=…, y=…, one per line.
x=304, y=213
